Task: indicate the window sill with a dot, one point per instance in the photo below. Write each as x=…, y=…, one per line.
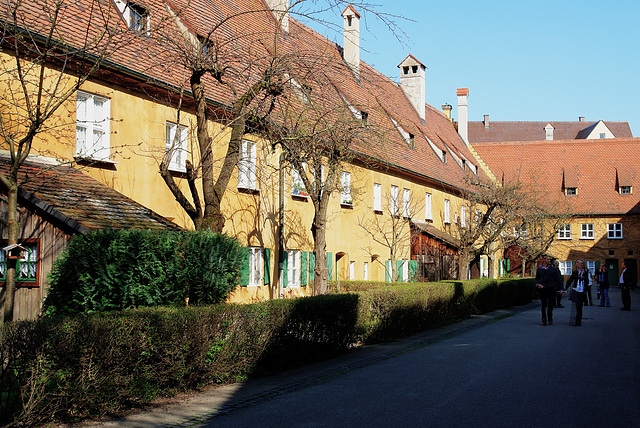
x=249, y=191
x=89, y=161
x=346, y=206
x=583, y=238
x=378, y=212
x=300, y=196
x=615, y=238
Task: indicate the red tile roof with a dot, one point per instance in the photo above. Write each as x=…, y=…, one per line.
x=532, y=131
x=594, y=167
x=78, y=202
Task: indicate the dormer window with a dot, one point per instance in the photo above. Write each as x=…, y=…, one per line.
x=625, y=190
x=414, y=69
x=138, y=18
x=571, y=191
x=405, y=70
x=364, y=118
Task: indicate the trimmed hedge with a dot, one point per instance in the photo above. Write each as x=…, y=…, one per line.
x=111, y=270
x=69, y=369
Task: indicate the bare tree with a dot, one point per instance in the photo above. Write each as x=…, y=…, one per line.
x=44, y=65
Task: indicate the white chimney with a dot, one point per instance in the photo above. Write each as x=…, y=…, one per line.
x=412, y=82
x=351, y=45
x=280, y=10
x=548, y=131
x=486, y=121
x=463, y=114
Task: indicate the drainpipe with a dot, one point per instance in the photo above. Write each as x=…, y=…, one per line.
x=281, y=228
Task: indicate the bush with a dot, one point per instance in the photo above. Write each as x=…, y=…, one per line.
x=111, y=270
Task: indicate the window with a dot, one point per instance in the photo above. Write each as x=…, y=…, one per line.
x=447, y=218
x=406, y=203
x=177, y=145
x=463, y=216
x=352, y=270
x=625, y=190
x=591, y=265
x=365, y=271
x=27, y=267
x=586, y=231
x=602, y=135
x=297, y=185
x=571, y=191
x=92, y=126
x=377, y=197
x=427, y=207
x=405, y=270
x=138, y=18
x=256, y=264
x=293, y=268
x=345, y=192
x=394, y=200
x=614, y=231
x=247, y=166
x=564, y=232
x=565, y=268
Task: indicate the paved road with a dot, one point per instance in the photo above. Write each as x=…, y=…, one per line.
x=500, y=370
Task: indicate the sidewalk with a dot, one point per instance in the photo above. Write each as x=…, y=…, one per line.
x=191, y=410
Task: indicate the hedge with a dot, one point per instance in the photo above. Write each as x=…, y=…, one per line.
x=73, y=368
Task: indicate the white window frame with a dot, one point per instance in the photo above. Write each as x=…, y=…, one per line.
x=463, y=216
x=178, y=161
x=591, y=265
x=447, y=216
x=406, y=203
x=587, y=231
x=626, y=190
x=405, y=270
x=377, y=197
x=565, y=267
x=92, y=119
x=614, y=231
x=297, y=185
x=345, y=188
x=365, y=271
x=247, y=165
x=428, y=214
x=393, y=201
x=139, y=20
x=564, y=231
x=352, y=270
x=293, y=268
x=256, y=266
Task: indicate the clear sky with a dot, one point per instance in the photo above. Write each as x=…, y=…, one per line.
x=521, y=60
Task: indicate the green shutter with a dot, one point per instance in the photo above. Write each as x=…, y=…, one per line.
x=244, y=272
x=597, y=266
x=285, y=264
x=509, y=265
x=387, y=273
x=413, y=270
x=303, y=268
x=330, y=265
x=312, y=267
x=267, y=266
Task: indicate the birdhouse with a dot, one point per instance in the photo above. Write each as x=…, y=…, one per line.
x=14, y=251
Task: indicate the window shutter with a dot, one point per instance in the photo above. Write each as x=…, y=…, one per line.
x=312, y=267
x=285, y=265
x=387, y=275
x=267, y=266
x=244, y=272
x=509, y=265
x=413, y=270
x=303, y=268
x=330, y=266
x=597, y=266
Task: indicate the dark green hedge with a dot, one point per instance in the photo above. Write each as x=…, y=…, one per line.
x=69, y=369
x=111, y=270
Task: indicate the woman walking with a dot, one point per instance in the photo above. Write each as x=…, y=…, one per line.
x=579, y=281
x=602, y=276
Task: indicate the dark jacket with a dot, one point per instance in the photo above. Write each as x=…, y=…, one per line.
x=546, y=276
x=603, y=283
x=558, y=278
x=626, y=280
x=575, y=276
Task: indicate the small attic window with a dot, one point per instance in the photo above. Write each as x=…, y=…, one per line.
x=138, y=18
x=349, y=20
x=405, y=70
x=571, y=191
x=364, y=118
x=414, y=69
x=625, y=190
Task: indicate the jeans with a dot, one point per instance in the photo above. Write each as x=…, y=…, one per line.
x=604, y=297
x=578, y=300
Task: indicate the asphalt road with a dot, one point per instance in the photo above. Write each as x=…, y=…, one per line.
x=500, y=370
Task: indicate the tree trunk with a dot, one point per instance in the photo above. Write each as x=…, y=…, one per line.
x=463, y=267
x=318, y=230
x=13, y=226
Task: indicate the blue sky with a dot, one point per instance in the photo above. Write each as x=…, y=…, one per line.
x=521, y=60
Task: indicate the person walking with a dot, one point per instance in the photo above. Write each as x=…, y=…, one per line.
x=602, y=276
x=546, y=283
x=579, y=280
x=625, y=286
x=559, y=284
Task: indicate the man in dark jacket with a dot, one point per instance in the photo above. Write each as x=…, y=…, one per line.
x=546, y=282
x=626, y=283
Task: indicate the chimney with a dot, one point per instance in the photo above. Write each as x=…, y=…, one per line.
x=351, y=45
x=412, y=83
x=581, y=119
x=446, y=108
x=486, y=121
x=280, y=10
x=463, y=103
x=548, y=131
